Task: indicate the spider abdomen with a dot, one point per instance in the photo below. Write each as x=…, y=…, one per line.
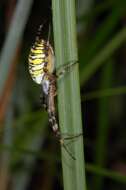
x=41, y=60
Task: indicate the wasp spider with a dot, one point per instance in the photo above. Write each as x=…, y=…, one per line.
x=41, y=69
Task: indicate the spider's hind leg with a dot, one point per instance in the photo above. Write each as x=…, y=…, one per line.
x=53, y=122
x=54, y=125
x=68, y=151
x=70, y=138
x=43, y=101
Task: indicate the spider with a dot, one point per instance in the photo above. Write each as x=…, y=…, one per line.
x=41, y=69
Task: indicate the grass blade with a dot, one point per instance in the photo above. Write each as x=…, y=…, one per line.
x=103, y=55
x=103, y=125
x=69, y=92
x=114, y=175
x=103, y=93
x=13, y=38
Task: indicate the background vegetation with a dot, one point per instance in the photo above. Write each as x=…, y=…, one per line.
x=30, y=155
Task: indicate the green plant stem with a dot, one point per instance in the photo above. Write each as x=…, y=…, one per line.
x=103, y=125
x=106, y=173
x=69, y=92
x=104, y=31
x=103, y=55
x=103, y=93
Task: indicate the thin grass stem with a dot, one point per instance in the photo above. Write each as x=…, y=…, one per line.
x=64, y=24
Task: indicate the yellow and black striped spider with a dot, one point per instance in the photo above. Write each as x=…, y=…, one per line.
x=41, y=68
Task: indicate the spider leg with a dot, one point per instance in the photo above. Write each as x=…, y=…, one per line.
x=53, y=123
x=71, y=141
x=65, y=68
x=66, y=148
x=72, y=136
x=43, y=101
x=51, y=104
x=65, y=135
x=52, y=113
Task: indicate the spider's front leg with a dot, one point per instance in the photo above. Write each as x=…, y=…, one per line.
x=65, y=69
